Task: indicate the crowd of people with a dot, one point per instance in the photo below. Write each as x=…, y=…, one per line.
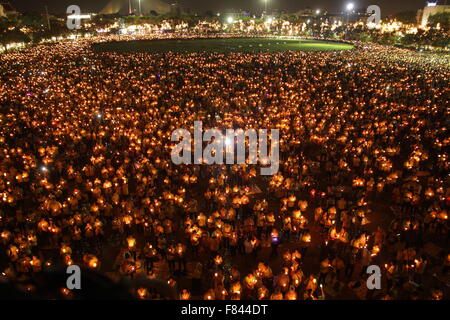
x=86, y=176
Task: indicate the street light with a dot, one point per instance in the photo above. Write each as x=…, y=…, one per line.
x=318, y=11
x=350, y=7
x=265, y=6
x=140, y=12
x=230, y=20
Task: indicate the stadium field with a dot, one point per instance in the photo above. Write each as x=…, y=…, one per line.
x=247, y=45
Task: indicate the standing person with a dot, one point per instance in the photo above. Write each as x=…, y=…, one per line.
x=240, y=244
x=233, y=244
x=325, y=267
x=181, y=257
x=150, y=257
x=274, y=243
x=197, y=278
x=350, y=266
x=248, y=246
x=365, y=261
x=170, y=256
x=339, y=266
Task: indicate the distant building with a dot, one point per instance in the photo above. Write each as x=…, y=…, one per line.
x=6, y=9
x=175, y=9
x=307, y=12
x=334, y=18
x=432, y=8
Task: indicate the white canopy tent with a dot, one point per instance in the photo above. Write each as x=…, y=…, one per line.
x=114, y=6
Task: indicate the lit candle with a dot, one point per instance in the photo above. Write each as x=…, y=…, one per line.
x=218, y=260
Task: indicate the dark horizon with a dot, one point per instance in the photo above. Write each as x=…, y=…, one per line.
x=388, y=7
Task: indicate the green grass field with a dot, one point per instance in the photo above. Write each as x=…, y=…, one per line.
x=248, y=45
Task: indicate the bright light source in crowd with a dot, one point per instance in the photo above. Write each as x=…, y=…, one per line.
x=227, y=141
x=431, y=4
x=317, y=11
x=44, y=169
x=308, y=21
x=99, y=115
x=269, y=20
x=230, y=20
x=350, y=6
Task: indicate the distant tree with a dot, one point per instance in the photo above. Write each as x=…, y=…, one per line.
x=11, y=31
x=32, y=25
x=285, y=16
x=407, y=17
x=34, y=21
x=131, y=20
x=389, y=38
x=101, y=21
x=58, y=28
x=423, y=38
x=437, y=38
x=327, y=33
x=442, y=18
x=441, y=42
x=365, y=37
x=409, y=39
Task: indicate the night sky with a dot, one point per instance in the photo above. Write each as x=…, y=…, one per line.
x=387, y=6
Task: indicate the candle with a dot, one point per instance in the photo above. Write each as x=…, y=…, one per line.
x=236, y=288
x=142, y=293
x=303, y=205
x=172, y=283
x=276, y=296
x=245, y=200
x=209, y=295
x=65, y=249
x=185, y=295
x=131, y=242
x=291, y=295
x=306, y=237
x=127, y=219
x=375, y=250
x=287, y=256
x=43, y=225
x=65, y=291
x=283, y=280
x=296, y=214
x=218, y=260
x=262, y=293
x=5, y=236
x=91, y=261
x=250, y=281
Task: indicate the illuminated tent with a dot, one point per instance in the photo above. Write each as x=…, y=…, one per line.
x=114, y=6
